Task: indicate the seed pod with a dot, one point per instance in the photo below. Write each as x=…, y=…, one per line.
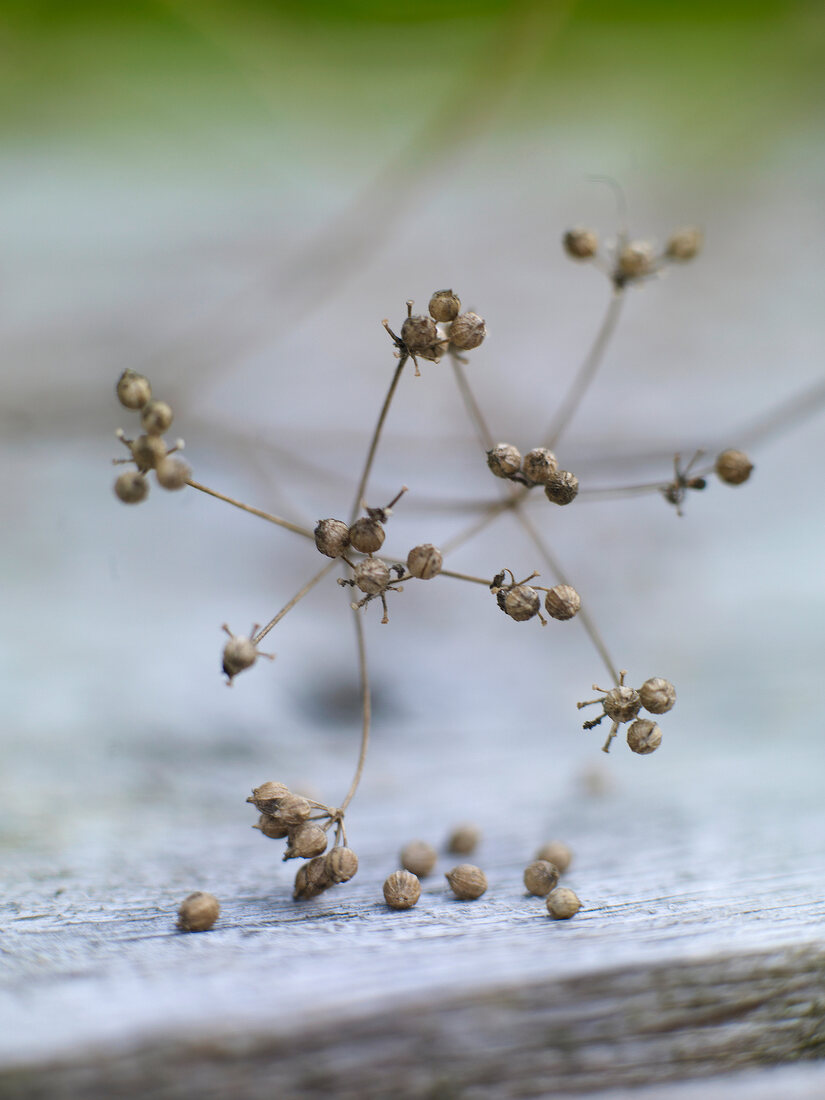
x=372, y=576
x=562, y=904
x=657, y=695
x=419, y=333
x=312, y=879
x=467, y=882
x=172, y=473
x=305, y=841
x=367, y=535
x=198, y=912
x=733, y=467
x=133, y=390
x=267, y=797
x=557, y=853
x=342, y=863
x=271, y=827
x=621, y=704
x=644, y=736
x=635, y=259
x=444, y=305
x=463, y=839
x=331, y=537
x=539, y=466
x=401, y=890
x=562, y=487
x=148, y=451
x=562, y=602
x=156, y=417
x=504, y=460
x=425, y=561
x=419, y=857
x=540, y=877
x=467, y=331
x=522, y=602
x=239, y=653
x=131, y=487
x=581, y=244
x=684, y=244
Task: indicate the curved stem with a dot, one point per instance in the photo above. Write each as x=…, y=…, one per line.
x=587, y=370
x=298, y=596
x=366, y=709
x=253, y=511
x=376, y=435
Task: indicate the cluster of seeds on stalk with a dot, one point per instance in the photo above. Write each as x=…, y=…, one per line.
x=304, y=823
x=538, y=467
x=443, y=329
x=148, y=451
x=629, y=261
x=732, y=467
x=521, y=601
x=622, y=704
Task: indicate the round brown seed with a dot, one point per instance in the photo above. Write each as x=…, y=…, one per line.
x=581, y=244
x=331, y=537
x=312, y=879
x=419, y=857
x=635, y=259
x=644, y=736
x=562, y=903
x=562, y=488
x=198, y=912
x=539, y=465
x=467, y=881
x=463, y=839
x=401, y=890
x=621, y=704
x=444, y=305
x=367, y=535
x=133, y=390
x=467, y=331
x=557, y=853
x=131, y=487
x=733, y=467
x=239, y=653
x=562, y=602
x=342, y=864
x=522, y=602
x=372, y=576
x=657, y=695
x=148, y=451
x=684, y=244
x=267, y=797
x=419, y=333
x=540, y=877
x=271, y=827
x=504, y=460
x=172, y=473
x=156, y=417
x=425, y=561
x=305, y=841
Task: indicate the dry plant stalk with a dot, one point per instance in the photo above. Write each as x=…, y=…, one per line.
x=351, y=546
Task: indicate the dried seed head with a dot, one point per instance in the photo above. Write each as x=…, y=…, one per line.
x=657, y=695
x=684, y=244
x=312, y=879
x=419, y=857
x=504, y=460
x=172, y=473
x=621, y=704
x=131, y=487
x=581, y=244
x=562, y=904
x=305, y=841
x=198, y=912
x=292, y=810
x=419, y=333
x=342, y=863
x=444, y=305
x=562, y=602
x=133, y=390
x=271, y=827
x=425, y=561
x=540, y=877
x=267, y=797
x=635, y=259
x=464, y=839
x=367, y=535
x=467, y=331
x=539, y=465
x=402, y=890
x=372, y=576
x=644, y=736
x=239, y=653
x=148, y=451
x=562, y=487
x=557, y=853
x=156, y=417
x=467, y=882
x=733, y=467
x=522, y=602
x=332, y=537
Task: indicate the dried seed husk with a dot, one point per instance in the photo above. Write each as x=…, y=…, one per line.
x=402, y=890
x=419, y=857
x=733, y=467
x=312, y=879
x=463, y=840
x=539, y=465
x=562, y=488
x=657, y=695
x=562, y=602
x=580, y=244
x=331, y=537
x=444, y=305
x=133, y=390
x=156, y=417
x=367, y=535
x=342, y=864
x=621, y=704
x=504, y=460
x=172, y=473
x=131, y=487
x=372, y=576
x=644, y=736
x=522, y=602
x=467, y=881
x=563, y=903
x=557, y=853
x=419, y=333
x=267, y=797
x=425, y=561
x=305, y=841
x=540, y=877
x=467, y=331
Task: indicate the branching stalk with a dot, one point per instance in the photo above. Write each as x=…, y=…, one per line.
x=279, y=520
x=262, y=633
x=366, y=709
x=376, y=435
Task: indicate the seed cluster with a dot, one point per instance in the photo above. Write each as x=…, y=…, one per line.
x=627, y=261
x=521, y=601
x=148, y=451
x=444, y=328
x=622, y=704
x=538, y=467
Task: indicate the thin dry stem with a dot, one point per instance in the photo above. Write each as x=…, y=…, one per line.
x=279, y=520
x=295, y=599
x=376, y=435
x=482, y=429
x=366, y=709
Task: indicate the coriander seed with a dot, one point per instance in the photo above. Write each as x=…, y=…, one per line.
x=133, y=390
x=580, y=244
x=644, y=736
x=562, y=903
x=331, y=537
x=467, y=881
x=424, y=561
x=657, y=695
x=540, y=877
x=522, y=602
x=562, y=602
x=684, y=244
x=621, y=704
x=635, y=260
x=733, y=467
x=464, y=839
x=271, y=827
x=419, y=857
x=306, y=840
x=148, y=451
x=504, y=460
x=342, y=864
x=467, y=331
x=131, y=487
x=562, y=488
x=444, y=305
x=172, y=473
x=267, y=797
x=367, y=535
x=419, y=333
x=311, y=879
x=198, y=912
x=293, y=810
x=372, y=576
x=557, y=853
x=402, y=890
x=156, y=417
x=539, y=465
